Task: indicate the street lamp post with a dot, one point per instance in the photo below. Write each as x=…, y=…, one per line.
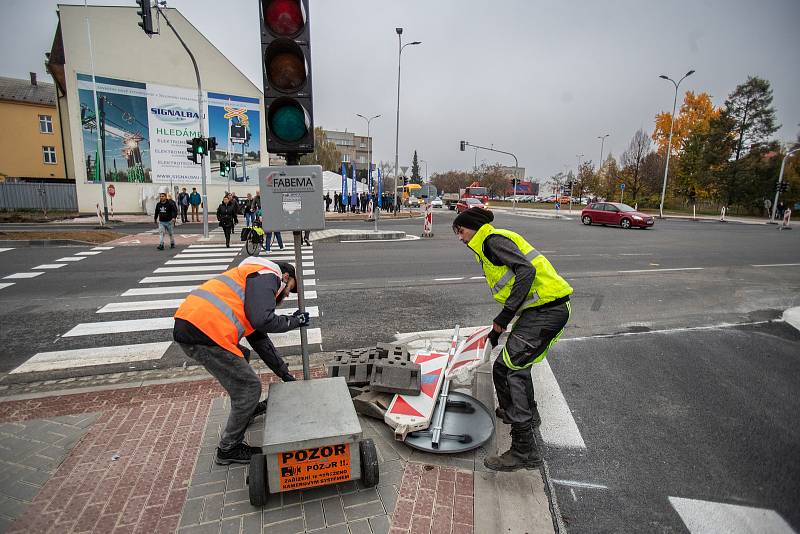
x=602, y=145
x=401, y=46
x=780, y=181
x=669, y=143
x=375, y=212
x=572, y=189
x=426, y=169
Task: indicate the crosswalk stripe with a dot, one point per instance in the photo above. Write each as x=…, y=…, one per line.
x=190, y=269
x=223, y=261
x=176, y=278
x=69, y=359
x=72, y=258
x=309, y=282
x=309, y=295
x=50, y=266
x=140, y=305
x=169, y=290
x=22, y=275
x=292, y=338
x=211, y=250
x=309, y=272
x=230, y=255
x=5, y=249
x=89, y=253
x=102, y=248
x=116, y=327
x=287, y=257
x=203, y=246
x=705, y=517
x=9, y=284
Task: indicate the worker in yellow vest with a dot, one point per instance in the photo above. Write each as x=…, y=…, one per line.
x=527, y=287
x=213, y=319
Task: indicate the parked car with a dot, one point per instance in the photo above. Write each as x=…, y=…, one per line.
x=437, y=203
x=552, y=199
x=466, y=203
x=616, y=214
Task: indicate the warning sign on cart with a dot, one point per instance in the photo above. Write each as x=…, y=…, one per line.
x=317, y=466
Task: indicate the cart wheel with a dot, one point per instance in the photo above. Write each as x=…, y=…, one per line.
x=252, y=247
x=257, y=480
x=370, y=474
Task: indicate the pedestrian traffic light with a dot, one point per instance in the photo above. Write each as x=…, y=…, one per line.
x=463, y=146
x=197, y=147
x=224, y=168
x=146, y=14
x=286, y=57
x=211, y=143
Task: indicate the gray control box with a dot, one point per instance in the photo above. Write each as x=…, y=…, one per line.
x=291, y=198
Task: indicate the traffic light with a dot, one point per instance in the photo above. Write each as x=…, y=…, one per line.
x=146, y=13
x=463, y=146
x=286, y=57
x=211, y=144
x=224, y=166
x=197, y=147
x=783, y=187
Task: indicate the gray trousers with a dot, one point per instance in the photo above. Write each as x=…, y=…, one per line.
x=532, y=336
x=238, y=379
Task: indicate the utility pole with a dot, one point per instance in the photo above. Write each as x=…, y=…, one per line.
x=401, y=46
x=780, y=181
x=200, y=116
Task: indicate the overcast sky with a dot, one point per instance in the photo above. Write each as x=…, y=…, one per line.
x=539, y=79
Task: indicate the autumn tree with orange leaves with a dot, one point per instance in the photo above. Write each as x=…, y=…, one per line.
x=695, y=114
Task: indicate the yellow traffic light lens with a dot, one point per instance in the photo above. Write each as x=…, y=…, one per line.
x=286, y=71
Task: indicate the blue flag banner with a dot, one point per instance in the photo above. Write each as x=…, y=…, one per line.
x=354, y=190
x=344, y=183
x=380, y=190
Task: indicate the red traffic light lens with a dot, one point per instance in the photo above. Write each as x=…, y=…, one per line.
x=286, y=65
x=283, y=17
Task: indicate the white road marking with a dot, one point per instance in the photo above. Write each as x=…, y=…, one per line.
x=102, y=248
x=309, y=282
x=477, y=277
x=224, y=261
x=636, y=254
x=576, y=484
x=662, y=270
x=140, y=305
x=292, y=338
x=22, y=275
x=230, y=255
x=6, y=284
x=72, y=258
x=309, y=272
x=558, y=427
x=309, y=295
x=5, y=249
x=191, y=269
x=50, y=266
x=448, y=279
x=706, y=517
x=89, y=253
x=116, y=327
x=203, y=246
x=308, y=264
x=69, y=359
x=408, y=237
x=177, y=278
x=777, y=265
x=283, y=257
x=211, y=250
x=165, y=291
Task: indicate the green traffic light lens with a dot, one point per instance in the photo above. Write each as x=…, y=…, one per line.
x=288, y=123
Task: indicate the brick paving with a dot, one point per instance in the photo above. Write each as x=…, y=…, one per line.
x=145, y=465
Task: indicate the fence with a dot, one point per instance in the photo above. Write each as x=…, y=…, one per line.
x=38, y=196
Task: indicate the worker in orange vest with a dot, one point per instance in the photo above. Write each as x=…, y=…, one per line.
x=213, y=319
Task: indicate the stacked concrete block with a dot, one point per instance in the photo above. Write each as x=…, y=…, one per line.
x=395, y=375
x=385, y=368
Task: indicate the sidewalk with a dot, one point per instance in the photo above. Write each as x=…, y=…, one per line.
x=139, y=459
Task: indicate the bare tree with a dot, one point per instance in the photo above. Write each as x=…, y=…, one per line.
x=632, y=160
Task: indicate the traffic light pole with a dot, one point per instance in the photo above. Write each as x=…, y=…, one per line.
x=516, y=166
x=200, y=116
x=780, y=181
x=100, y=162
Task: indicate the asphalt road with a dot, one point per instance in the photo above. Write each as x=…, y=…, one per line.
x=679, y=375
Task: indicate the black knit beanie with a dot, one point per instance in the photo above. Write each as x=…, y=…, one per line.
x=287, y=267
x=473, y=219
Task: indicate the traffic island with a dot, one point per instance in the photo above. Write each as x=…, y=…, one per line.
x=338, y=234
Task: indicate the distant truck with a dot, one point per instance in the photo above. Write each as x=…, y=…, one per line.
x=450, y=200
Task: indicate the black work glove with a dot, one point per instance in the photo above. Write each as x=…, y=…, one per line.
x=302, y=318
x=493, y=337
x=288, y=378
x=504, y=317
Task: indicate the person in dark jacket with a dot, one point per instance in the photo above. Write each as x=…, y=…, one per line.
x=165, y=215
x=226, y=215
x=183, y=202
x=209, y=326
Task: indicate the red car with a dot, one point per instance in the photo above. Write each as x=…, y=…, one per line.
x=616, y=214
x=466, y=203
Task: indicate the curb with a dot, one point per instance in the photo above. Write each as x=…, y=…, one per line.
x=792, y=316
x=46, y=243
x=350, y=235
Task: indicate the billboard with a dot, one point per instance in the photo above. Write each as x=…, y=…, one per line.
x=144, y=128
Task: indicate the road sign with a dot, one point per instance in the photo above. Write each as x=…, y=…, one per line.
x=622, y=186
x=292, y=197
x=111, y=190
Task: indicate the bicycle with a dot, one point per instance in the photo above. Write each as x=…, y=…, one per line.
x=253, y=236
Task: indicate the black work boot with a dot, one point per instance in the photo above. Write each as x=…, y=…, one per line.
x=261, y=408
x=523, y=453
x=503, y=416
x=239, y=454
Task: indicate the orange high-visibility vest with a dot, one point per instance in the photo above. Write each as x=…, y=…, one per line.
x=216, y=308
